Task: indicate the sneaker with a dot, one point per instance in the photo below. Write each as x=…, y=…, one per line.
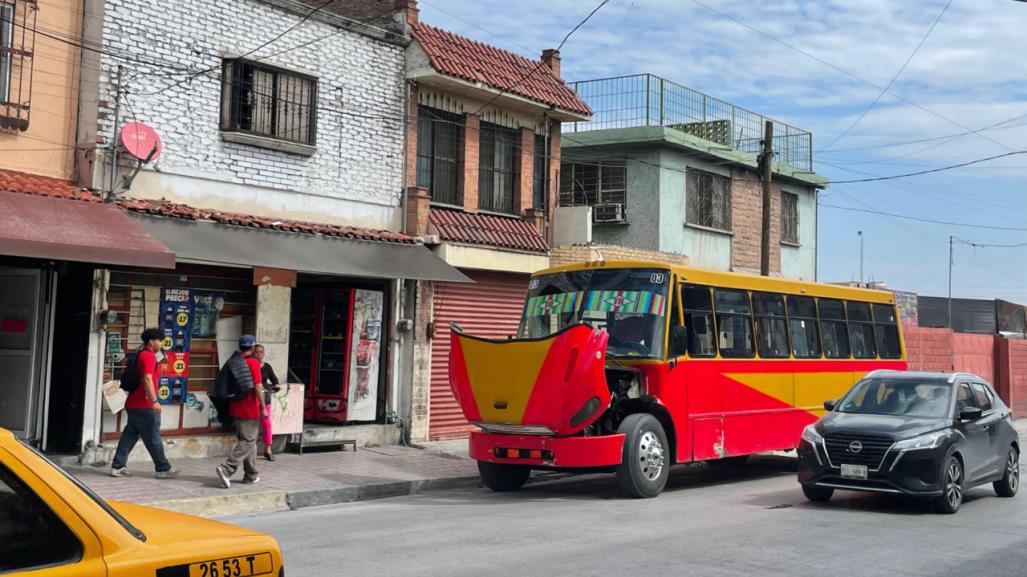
x=122, y=472
x=169, y=474
x=269, y=457
x=251, y=480
x=224, y=477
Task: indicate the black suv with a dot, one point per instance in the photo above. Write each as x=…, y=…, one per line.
x=931, y=435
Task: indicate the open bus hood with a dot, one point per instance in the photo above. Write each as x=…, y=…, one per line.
x=555, y=385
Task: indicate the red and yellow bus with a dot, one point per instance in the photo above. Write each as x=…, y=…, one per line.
x=636, y=366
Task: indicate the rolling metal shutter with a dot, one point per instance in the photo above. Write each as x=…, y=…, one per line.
x=490, y=307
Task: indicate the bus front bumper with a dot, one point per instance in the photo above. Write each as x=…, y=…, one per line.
x=548, y=451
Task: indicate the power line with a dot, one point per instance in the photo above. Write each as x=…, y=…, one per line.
x=927, y=220
x=893, y=79
x=845, y=72
x=189, y=78
x=939, y=169
x=541, y=63
x=994, y=126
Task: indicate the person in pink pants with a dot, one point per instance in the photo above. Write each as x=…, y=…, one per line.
x=270, y=382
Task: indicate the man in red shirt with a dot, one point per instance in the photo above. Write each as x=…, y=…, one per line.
x=246, y=411
x=143, y=412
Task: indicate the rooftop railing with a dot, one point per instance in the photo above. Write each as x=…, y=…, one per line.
x=647, y=100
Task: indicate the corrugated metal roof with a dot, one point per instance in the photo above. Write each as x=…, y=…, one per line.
x=455, y=55
x=486, y=229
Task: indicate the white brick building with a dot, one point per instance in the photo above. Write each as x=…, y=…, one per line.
x=279, y=191
x=353, y=173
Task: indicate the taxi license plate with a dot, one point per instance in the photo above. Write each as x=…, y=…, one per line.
x=244, y=566
x=854, y=472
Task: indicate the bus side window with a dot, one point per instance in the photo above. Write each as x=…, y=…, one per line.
x=886, y=330
x=734, y=324
x=861, y=330
x=833, y=328
x=802, y=327
x=771, y=326
x=698, y=307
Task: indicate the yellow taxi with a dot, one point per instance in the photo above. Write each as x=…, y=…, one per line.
x=51, y=524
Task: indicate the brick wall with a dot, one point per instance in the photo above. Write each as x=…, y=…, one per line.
x=747, y=220
x=928, y=349
x=562, y=255
x=360, y=127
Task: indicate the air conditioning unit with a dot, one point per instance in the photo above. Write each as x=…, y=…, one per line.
x=608, y=213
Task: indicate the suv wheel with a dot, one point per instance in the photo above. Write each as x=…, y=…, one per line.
x=817, y=494
x=1011, y=479
x=951, y=487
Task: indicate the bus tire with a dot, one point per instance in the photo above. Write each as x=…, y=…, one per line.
x=645, y=465
x=503, y=478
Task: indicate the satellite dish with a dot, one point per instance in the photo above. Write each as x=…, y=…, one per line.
x=141, y=141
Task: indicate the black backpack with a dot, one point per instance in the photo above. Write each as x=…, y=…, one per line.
x=233, y=381
x=130, y=378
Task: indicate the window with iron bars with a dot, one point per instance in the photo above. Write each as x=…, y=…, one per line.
x=498, y=168
x=789, y=218
x=540, y=180
x=593, y=184
x=268, y=101
x=439, y=152
x=6, y=48
x=707, y=200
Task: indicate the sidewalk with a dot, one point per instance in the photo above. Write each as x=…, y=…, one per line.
x=291, y=481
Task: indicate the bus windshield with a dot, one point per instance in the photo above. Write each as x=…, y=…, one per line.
x=628, y=303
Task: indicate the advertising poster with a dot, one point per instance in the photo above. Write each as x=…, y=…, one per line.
x=176, y=321
x=365, y=343
x=207, y=307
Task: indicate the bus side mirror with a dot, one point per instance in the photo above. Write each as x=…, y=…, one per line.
x=678, y=341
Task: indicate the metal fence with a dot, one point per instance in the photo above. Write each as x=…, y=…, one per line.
x=647, y=100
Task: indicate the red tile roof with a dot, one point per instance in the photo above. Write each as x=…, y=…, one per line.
x=24, y=183
x=175, y=210
x=455, y=55
x=486, y=229
x=38, y=185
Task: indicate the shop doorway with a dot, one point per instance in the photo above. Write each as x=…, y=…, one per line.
x=70, y=357
x=24, y=335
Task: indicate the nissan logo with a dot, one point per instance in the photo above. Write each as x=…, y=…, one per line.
x=855, y=447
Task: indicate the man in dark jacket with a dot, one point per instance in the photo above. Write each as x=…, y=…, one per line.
x=240, y=378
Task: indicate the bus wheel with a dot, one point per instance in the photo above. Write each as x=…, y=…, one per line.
x=503, y=478
x=645, y=465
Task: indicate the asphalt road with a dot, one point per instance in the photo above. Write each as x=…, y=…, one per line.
x=748, y=521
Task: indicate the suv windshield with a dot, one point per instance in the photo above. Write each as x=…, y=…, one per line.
x=628, y=303
x=906, y=397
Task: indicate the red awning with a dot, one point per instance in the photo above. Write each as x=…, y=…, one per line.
x=60, y=229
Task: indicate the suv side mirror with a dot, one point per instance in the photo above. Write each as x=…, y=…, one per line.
x=970, y=413
x=829, y=405
x=678, y=341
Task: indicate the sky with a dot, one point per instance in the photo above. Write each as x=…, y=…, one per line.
x=969, y=73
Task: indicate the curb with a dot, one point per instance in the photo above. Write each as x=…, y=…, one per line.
x=272, y=501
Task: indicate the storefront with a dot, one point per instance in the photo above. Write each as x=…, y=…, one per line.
x=328, y=309
x=202, y=311
x=336, y=347
x=50, y=250
x=489, y=308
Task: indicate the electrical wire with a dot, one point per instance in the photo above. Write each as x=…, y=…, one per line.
x=926, y=220
x=846, y=72
x=895, y=77
x=933, y=170
x=542, y=63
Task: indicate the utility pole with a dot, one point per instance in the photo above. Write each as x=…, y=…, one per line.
x=113, y=150
x=860, y=233
x=951, y=239
x=765, y=176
